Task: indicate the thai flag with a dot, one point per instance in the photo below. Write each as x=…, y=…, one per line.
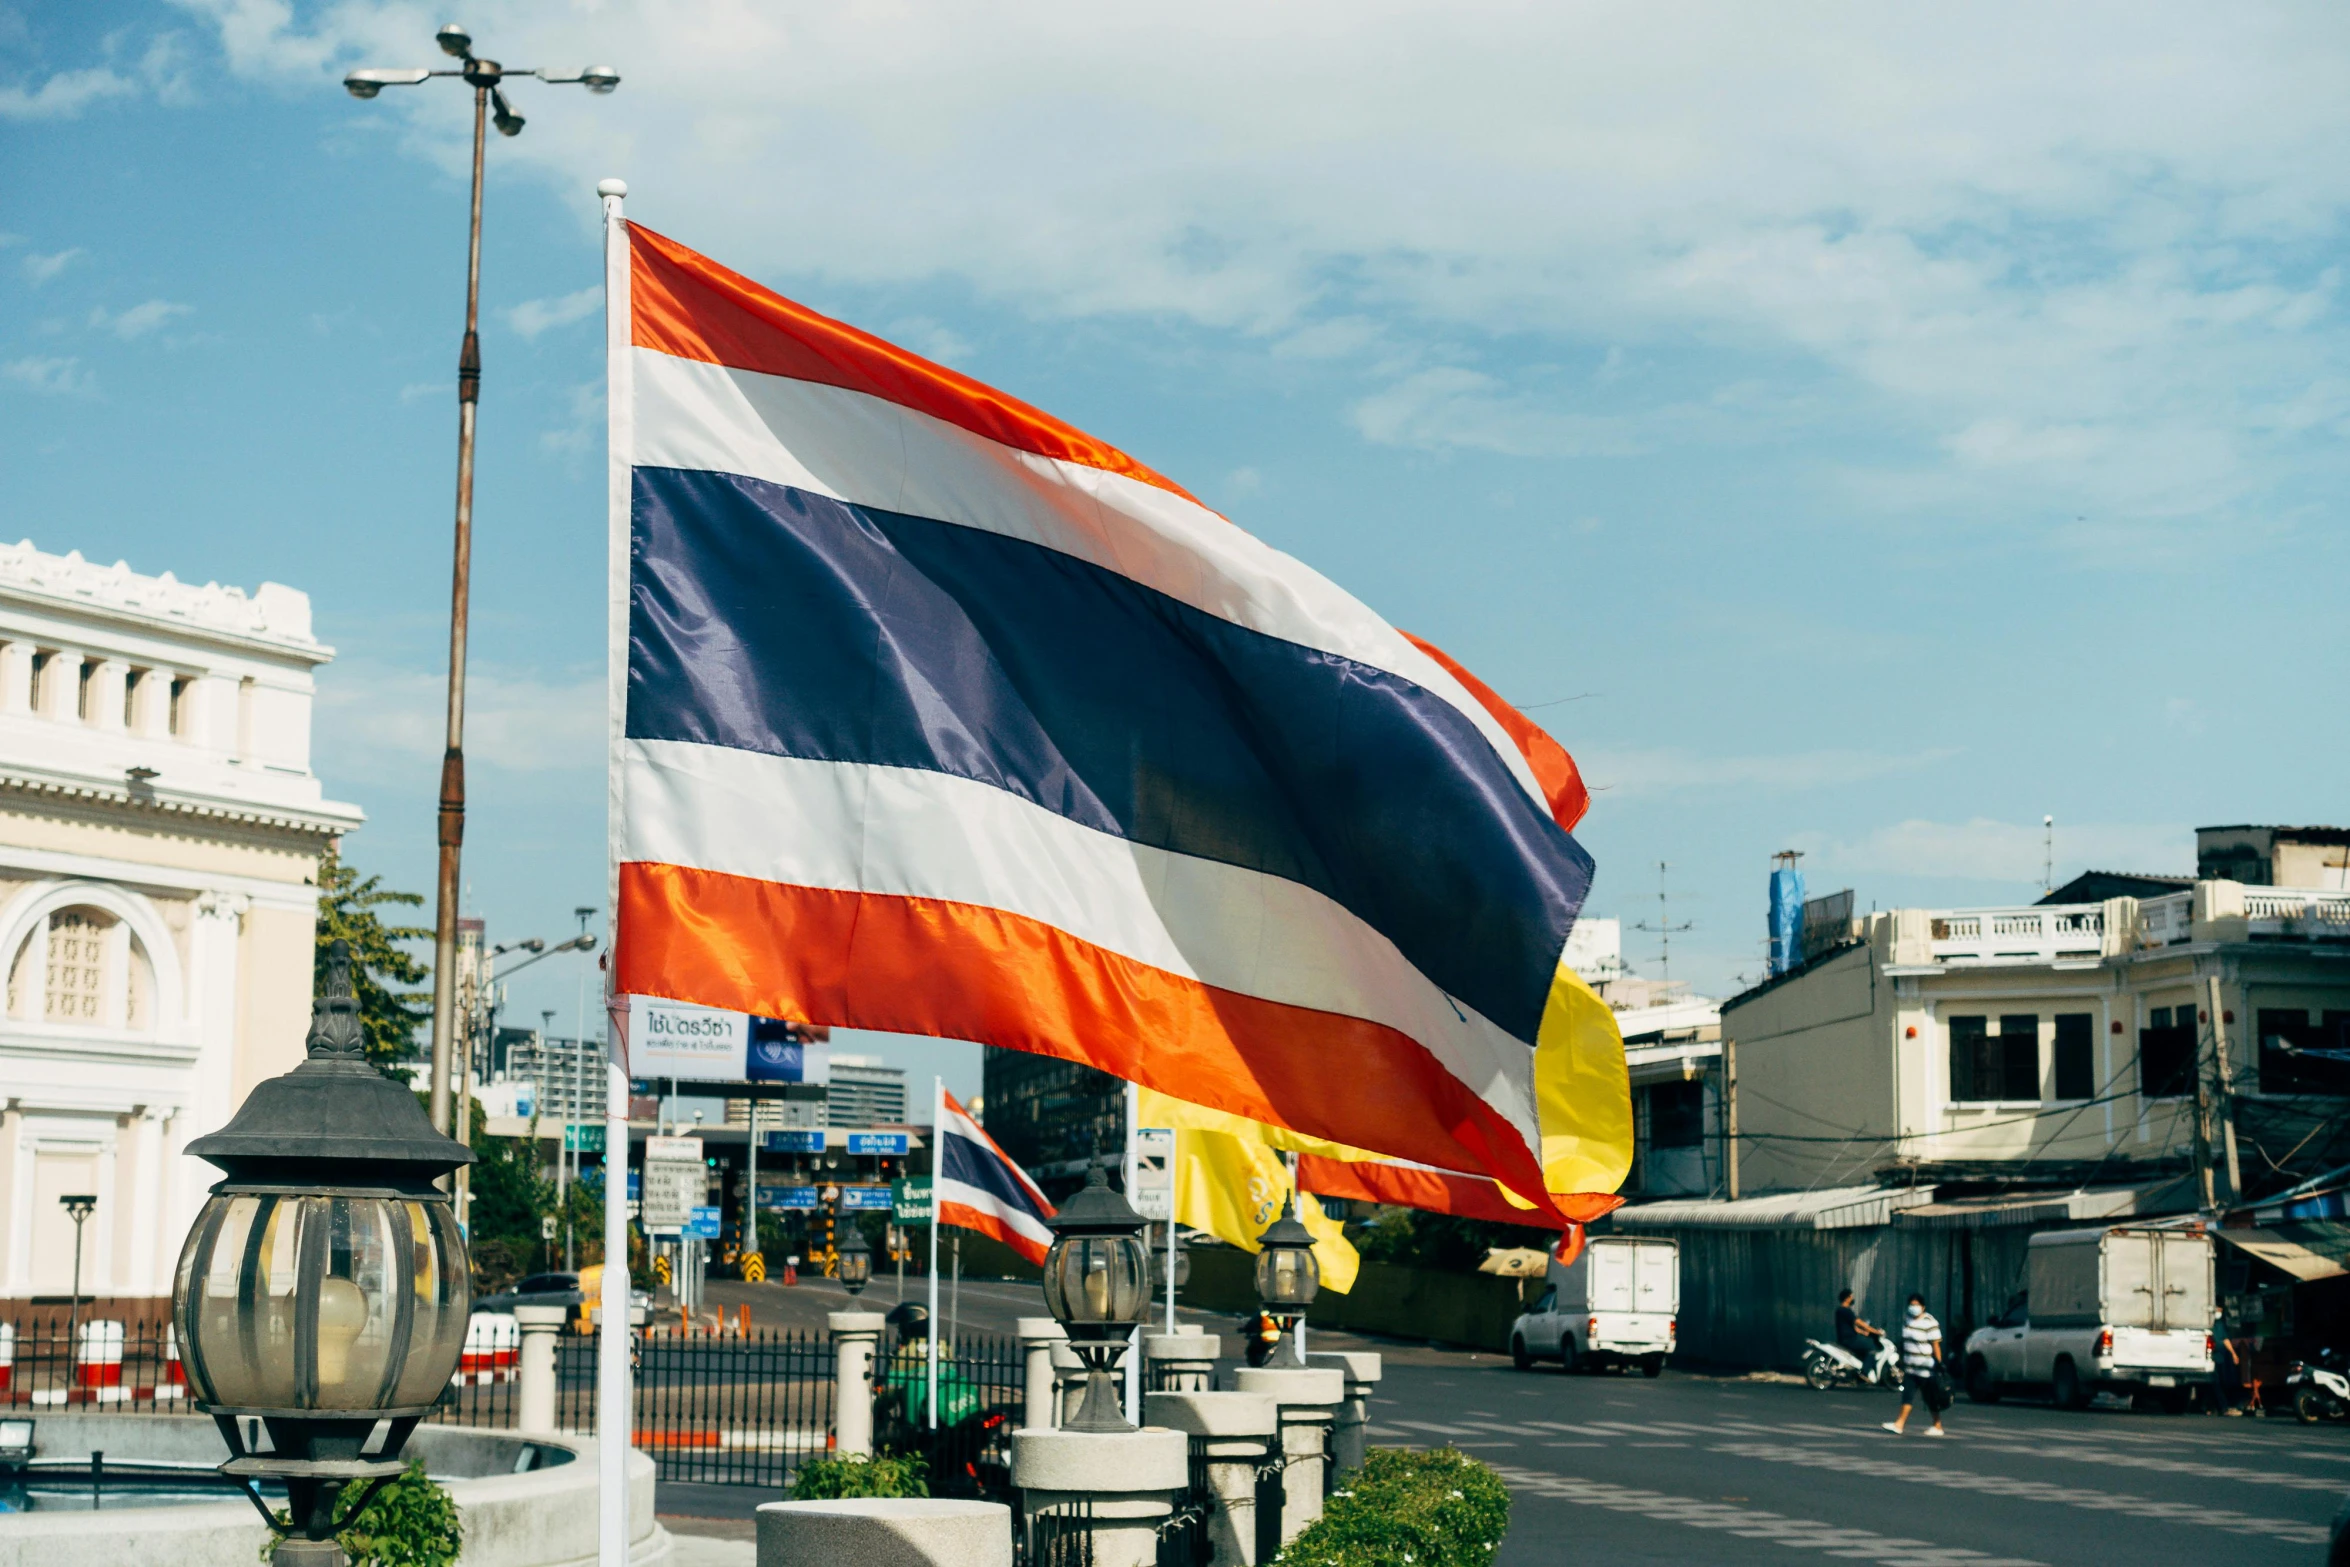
x=976, y=1186
x=939, y=716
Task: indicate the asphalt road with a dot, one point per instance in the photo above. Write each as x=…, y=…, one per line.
x=1689, y=1468
x=1614, y=1469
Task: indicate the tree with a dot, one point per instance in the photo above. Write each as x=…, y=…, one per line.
x=347, y=911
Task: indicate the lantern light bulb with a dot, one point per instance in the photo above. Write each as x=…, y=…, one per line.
x=342, y=1314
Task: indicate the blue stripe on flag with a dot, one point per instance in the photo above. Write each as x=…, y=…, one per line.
x=976, y=1166
x=769, y=619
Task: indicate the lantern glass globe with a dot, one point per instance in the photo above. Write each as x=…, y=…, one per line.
x=1287, y=1278
x=321, y=1302
x=1097, y=1281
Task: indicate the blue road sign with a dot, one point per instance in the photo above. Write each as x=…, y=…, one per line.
x=636, y=1182
x=789, y=1197
x=864, y=1197
x=793, y=1142
x=701, y=1225
x=877, y=1142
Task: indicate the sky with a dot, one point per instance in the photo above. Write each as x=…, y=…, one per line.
x=1864, y=430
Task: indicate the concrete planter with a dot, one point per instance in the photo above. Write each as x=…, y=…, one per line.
x=544, y=1516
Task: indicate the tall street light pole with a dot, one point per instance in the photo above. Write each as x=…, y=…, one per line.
x=489, y=107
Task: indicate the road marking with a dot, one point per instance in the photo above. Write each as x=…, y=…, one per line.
x=2025, y=1490
x=1752, y=1523
x=2147, y=1461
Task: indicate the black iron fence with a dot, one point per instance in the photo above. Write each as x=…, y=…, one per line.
x=968, y=1447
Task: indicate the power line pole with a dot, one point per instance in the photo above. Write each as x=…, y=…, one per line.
x=2226, y=1107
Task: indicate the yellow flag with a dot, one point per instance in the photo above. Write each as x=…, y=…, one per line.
x=1230, y=1180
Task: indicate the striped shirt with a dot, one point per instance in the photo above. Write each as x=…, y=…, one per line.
x=1921, y=1341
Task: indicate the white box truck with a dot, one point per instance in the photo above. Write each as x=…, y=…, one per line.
x=1613, y=1305
x=2121, y=1310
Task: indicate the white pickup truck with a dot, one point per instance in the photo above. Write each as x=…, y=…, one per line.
x=2112, y=1310
x=1614, y=1305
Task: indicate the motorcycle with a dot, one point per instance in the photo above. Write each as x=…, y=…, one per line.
x=2319, y=1389
x=1261, y=1335
x=1827, y=1365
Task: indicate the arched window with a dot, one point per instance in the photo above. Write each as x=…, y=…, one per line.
x=75, y=979
x=87, y=957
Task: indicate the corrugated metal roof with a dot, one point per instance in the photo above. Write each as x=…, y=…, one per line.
x=2021, y=1208
x=1832, y=1208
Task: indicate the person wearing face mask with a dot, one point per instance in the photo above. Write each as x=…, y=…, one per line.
x=1922, y=1378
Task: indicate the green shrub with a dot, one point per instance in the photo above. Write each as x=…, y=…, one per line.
x=409, y=1523
x=828, y=1479
x=1437, y=1509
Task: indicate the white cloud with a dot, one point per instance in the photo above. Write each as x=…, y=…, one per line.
x=534, y=316
x=51, y=377
x=1467, y=409
x=1663, y=770
x=2107, y=287
x=40, y=269
x=584, y=430
x=65, y=94
x=139, y=320
x=1987, y=850
x=515, y=720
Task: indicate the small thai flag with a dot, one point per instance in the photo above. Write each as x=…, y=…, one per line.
x=977, y=1187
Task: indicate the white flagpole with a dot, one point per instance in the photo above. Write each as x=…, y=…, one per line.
x=938, y=1121
x=1174, y=1206
x=1134, y=1340
x=613, y=1425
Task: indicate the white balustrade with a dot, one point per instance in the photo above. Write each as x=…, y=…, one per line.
x=2039, y=933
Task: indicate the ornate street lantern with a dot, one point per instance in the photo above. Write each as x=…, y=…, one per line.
x=1288, y=1278
x=1097, y=1286
x=325, y=1287
x=856, y=1260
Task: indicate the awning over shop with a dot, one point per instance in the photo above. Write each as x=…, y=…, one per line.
x=2308, y=1249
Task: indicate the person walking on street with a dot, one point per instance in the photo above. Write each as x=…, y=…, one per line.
x=1922, y=1378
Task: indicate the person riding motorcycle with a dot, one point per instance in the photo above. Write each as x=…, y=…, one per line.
x=1262, y=1335
x=1854, y=1333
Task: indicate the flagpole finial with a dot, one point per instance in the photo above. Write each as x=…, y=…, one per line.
x=611, y=187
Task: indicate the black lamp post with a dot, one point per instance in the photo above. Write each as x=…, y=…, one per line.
x=1097, y=1286
x=856, y=1259
x=78, y=1207
x=1288, y=1278
x=325, y=1286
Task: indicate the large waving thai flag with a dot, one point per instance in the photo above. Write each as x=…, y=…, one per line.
x=976, y=1186
x=943, y=717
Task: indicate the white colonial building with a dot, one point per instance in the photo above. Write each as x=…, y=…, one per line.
x=160, y=832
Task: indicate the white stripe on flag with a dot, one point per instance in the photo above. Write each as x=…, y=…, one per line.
x=912, y=833
x=872, y=452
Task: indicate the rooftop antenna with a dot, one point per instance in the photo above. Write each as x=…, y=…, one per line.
x=2047, y=855
x=1664, y=927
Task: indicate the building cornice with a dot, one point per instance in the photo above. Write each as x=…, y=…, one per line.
x=328, y=819
x=275, y=621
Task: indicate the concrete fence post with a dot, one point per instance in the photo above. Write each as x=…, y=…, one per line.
x=855, y=1337
x=1309, y=1401
x=1350, y=1435
x=1132, y=1479
x=1237, y=1431
x=879, y=1532
x=535, y=1398
x=1040, y=1408
x=1068, y=1382
x=1181, y=1362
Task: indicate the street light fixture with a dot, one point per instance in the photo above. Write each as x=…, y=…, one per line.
x=324, y=1288
x=485, y=78
x=1288, y=1277
x=1097, y=1286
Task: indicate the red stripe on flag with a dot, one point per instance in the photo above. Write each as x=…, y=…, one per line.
x=1561, y=780
x=1436, y=1191
x=965, y=971
x=687, y=305
x=965, y=1217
